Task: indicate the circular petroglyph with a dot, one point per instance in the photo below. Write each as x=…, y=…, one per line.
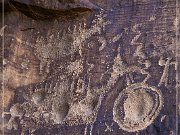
x=137, y=106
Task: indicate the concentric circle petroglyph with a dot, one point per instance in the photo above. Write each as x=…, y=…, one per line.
x=137, y=106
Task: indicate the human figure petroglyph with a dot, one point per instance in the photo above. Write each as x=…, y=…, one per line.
x=166, y=64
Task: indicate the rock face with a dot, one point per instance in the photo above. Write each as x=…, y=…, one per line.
x=80, y=67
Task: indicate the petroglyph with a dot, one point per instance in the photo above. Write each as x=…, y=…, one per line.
x=120, y=69
x=139, y=52
x=65, y=75
x=166, y=64
x=116, y=38
x=104, y=42
x=135, y=30
x=137, y=106
x=51, y=102
x=80, y=34
x=109, y=127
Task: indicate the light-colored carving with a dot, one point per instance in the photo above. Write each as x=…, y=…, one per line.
x=103, y=42
x=135, y=30
x=74, y=111
x=139, y=51
x=120, y=69
x=166, y=64
x=80, y=34
x=152, y=18
x=140, y=105
x=108, y=127
x=116, y=38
